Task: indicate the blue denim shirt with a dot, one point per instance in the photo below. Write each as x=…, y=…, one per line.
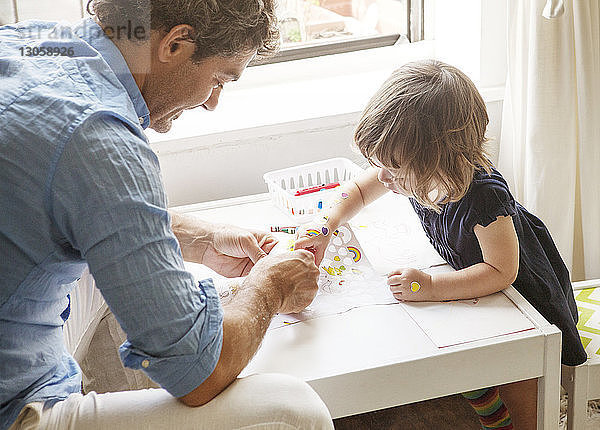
x=79, y=184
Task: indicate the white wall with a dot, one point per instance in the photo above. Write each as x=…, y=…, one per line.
x=232, y=164
x=471, y=34
x=235, y=166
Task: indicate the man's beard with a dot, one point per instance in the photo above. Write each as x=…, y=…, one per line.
x=162, y=125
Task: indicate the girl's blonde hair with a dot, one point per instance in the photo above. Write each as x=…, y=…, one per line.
x=429, y=121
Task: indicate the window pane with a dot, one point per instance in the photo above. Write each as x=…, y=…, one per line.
x=59, y=10
x=322, y=21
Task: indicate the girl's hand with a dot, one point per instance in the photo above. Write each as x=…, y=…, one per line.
x=313, y=237
x=411, y=285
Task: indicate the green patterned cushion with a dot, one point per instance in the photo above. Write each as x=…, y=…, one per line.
x=588, y=305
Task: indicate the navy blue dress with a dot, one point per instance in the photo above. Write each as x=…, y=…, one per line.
x=543, y=278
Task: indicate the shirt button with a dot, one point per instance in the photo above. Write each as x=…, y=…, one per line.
x=145, y=364
x=141, y=120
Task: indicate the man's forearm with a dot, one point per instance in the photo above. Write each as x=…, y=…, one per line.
x=193, y=235
x=248, y=311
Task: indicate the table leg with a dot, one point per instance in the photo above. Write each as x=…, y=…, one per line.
x=549, y=383
x=575, y=382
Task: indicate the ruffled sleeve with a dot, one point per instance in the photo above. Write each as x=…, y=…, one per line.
x=488, y=200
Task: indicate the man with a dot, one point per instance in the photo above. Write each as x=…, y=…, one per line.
x=81, y=186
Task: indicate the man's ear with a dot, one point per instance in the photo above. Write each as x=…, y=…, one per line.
x=177, y=46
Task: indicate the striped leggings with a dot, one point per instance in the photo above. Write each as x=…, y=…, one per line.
x=490, y=408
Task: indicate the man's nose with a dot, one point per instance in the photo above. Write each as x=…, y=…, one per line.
x=213, y=100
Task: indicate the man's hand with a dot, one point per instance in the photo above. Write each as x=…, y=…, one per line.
x=291, y=277
x=228, y=250
x=283, y=283
x=233, y=251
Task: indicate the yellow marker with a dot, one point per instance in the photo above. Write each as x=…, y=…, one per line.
x=415, y=286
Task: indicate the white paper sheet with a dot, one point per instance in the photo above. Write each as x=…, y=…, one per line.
x=357, y=289
x=392, y=236
x=348, y=279
x=456, y=322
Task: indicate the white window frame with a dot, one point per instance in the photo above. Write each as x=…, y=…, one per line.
x=15, y=10
x=414, y=33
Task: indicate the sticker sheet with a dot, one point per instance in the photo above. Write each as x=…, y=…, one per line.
x=347, y=280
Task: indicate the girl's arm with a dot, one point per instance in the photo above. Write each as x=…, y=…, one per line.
x=351, y=198
x=500, y=248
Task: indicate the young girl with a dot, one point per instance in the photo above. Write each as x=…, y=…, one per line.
x=424, y=132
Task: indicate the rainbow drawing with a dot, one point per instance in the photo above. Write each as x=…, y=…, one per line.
x=312, y=232
x=356, y=255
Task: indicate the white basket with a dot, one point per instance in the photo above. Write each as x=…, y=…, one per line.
x=285, y=182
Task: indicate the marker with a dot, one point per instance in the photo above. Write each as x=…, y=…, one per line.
x=277, y=229
x=316, y=188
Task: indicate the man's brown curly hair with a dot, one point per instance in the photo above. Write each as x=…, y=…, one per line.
x=223, y=28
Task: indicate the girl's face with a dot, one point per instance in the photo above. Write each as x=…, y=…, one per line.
x=397, y=180
x=394, y=180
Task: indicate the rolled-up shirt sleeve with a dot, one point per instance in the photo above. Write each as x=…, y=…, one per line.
x=108, y=204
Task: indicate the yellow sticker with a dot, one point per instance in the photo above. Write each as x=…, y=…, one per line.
x=415, y=286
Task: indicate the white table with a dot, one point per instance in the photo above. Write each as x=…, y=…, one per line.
x=375, y=357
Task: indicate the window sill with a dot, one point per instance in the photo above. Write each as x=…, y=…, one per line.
x=295, y=96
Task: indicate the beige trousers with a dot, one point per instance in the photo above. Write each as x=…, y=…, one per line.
x=268, y=401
